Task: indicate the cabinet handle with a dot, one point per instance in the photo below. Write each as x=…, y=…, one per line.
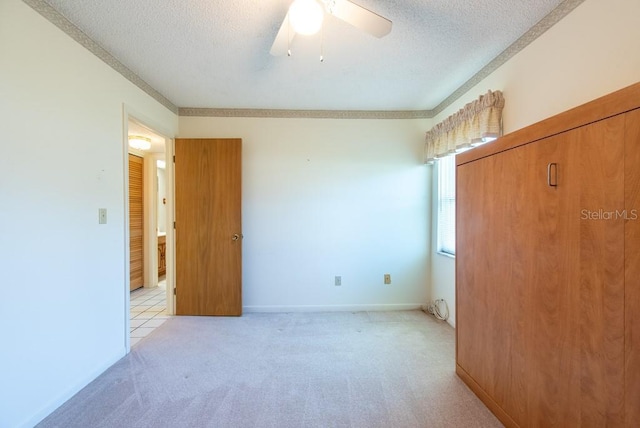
x=552, y=178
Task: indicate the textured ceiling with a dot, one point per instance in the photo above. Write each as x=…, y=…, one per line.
x=215, y=53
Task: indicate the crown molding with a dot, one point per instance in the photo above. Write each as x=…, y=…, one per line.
x=534, y=32
x=57, y=19
x=49, y=13
x=305, y=114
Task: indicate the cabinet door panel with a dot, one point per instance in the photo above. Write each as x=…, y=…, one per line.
x=493, y=233
x=576, y=282
x=552, y=284
x=472, y=290
x=632, y=269
x=602, y=272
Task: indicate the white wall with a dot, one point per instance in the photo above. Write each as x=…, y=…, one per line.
x=593, y=51
x=330, y=197
x=62, y=312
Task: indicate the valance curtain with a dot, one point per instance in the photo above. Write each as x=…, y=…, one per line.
x=478, y=122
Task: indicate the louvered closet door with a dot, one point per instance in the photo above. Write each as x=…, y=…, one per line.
x=136, y=222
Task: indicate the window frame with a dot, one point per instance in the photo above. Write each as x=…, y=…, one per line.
x=446, y=215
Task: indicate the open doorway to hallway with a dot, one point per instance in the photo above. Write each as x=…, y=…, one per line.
x=149, y=254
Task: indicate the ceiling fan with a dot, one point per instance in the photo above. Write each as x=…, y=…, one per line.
x=305, y=17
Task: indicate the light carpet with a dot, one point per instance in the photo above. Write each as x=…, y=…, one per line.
x=338, y=369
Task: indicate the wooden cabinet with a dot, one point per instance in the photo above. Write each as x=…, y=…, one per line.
x=632, y=269
x=548, y=283
x=162, y=255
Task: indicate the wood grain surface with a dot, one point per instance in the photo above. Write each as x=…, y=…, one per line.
x=632, y=269
x=208, y=177
x=548, y=277
x=136, y=222
x=602, y=272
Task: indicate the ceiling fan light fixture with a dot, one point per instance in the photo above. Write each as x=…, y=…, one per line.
x=139, y=142
x=306, y=16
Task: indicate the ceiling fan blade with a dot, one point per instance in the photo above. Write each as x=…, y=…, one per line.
x=283, y=38
x=361, y=18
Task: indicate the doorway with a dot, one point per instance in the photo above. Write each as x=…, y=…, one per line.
x=149, y=305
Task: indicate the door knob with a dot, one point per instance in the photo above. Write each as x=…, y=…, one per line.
x=235, y=237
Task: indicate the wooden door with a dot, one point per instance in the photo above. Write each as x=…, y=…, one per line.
x=208, y=180
x=136, y=222
x=632, y=269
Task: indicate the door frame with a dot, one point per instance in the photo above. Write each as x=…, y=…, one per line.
x=130, y=113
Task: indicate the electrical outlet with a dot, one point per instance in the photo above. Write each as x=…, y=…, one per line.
x=338, y=281
x=387, y=278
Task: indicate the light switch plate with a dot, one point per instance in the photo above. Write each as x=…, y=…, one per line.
x=102, y=216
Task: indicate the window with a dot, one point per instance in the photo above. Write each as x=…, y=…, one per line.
x=446, y=233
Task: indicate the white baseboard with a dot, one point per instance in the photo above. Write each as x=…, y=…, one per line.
x=62, y=398
x=332, y=308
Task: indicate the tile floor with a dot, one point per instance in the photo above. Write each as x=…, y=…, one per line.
x=148, y=310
